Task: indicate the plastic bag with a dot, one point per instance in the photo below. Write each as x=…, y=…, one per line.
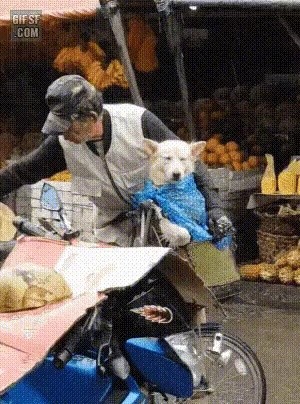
x=182, y=203
x=28, y=286
x=268, y=181
x=287, y=179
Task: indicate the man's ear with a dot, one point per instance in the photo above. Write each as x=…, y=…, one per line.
x=197, y=148
x=150, y=146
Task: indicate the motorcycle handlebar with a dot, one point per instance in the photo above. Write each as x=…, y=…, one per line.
x=25, y=227
x=28, y=228
x=5, y=248
x=64, y=355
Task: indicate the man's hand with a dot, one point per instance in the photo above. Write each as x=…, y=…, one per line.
x=221, y=227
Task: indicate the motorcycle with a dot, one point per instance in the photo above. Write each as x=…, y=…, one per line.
x=115, y=354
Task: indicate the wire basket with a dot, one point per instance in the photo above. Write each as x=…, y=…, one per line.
x=270, y=245
x=271, y=222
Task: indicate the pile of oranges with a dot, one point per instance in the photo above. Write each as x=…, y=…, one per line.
x=217, y=154
x=63, y=176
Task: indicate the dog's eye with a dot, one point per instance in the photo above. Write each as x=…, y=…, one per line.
x=168, y=158
x=183, y=159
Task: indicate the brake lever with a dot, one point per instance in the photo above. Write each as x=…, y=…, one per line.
x=51, y=226
x=70, y=235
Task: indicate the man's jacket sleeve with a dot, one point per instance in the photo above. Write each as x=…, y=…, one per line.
x=43, y=162
x=205, y=184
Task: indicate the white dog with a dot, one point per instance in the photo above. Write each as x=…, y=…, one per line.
x=171, y=161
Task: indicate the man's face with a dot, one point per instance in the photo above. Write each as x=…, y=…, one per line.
x=84, y=130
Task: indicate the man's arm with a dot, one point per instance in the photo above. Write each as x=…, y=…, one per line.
x=154, y=129
x=43, y=162
x=218, y=222
x=205, y=184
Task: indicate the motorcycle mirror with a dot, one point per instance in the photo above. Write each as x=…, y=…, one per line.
x=49, y=198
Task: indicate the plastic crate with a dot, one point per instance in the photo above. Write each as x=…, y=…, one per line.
x=78, y=209
x=232, y=181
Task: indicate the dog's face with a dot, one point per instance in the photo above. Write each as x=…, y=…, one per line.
x=171, y=160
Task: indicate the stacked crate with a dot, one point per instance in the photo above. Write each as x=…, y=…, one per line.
x=235, y=188
x=83, y=212
x=77, y=208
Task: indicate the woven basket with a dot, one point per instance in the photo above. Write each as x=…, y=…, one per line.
x=270, y=245
x=270, y=222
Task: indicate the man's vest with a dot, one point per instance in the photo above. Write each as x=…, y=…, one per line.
x=125, y=161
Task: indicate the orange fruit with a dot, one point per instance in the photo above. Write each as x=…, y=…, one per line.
x=224, y=158
x=211, y=158
x=236, y=155
x=211, y=144
x=253, y=161
x=237, y=166
x=231, y=146
x=246, y=165
x=220, y=149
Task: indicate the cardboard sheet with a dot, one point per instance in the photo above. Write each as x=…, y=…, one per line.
x=101, y=269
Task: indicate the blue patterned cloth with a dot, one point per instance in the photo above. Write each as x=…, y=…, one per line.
x=183, y=204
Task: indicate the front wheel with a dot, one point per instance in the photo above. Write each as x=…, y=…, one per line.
x=234, y=376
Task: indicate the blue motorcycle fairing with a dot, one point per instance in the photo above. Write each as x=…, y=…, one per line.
x=150, y=358
x=79, y=382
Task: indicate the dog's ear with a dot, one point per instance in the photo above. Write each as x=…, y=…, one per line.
x=150, y=146
x=197, y=148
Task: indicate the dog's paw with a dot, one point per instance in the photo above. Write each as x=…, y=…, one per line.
x=173, y=234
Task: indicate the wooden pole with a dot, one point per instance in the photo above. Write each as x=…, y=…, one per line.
x=111, y=11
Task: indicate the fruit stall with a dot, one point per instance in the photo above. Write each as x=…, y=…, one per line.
x=277, y=208
x=235, y=85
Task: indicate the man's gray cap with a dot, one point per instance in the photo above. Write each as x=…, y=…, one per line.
x=68, y=98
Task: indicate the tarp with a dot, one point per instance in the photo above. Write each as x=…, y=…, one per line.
x=85, y=8
x=51, y=9
x=239, y=3
x=81, y=9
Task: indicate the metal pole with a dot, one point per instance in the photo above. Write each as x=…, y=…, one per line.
x=110, y=9
x=173, y=33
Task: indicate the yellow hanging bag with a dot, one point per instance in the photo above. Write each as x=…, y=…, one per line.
x=268, y=181
x=287, y=179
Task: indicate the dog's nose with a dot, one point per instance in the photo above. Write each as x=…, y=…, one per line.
x=176, y=176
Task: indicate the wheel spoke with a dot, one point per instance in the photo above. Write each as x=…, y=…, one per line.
x=239, y=379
